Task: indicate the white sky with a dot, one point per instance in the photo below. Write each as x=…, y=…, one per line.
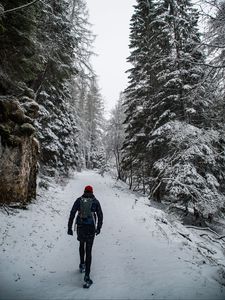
x=111, y=21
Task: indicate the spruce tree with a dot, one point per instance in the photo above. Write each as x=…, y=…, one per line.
x=19, y=59
x=93, y=119
x=169, y=143
x=62, y=35
x=215, y=45
x=138, y=89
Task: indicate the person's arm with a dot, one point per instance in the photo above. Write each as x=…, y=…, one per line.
x=72, y=216
x=100, y=217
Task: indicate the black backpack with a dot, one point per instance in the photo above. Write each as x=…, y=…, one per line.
x=85, y=207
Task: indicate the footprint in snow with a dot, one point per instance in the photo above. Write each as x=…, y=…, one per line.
x=18, y=277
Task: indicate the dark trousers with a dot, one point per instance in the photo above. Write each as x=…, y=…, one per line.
x=85, y=254
x=85, y=235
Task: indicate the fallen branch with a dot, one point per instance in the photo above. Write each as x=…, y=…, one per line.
x=205, y=234
x=204, y=247
x=185, y=236
x=6, y=210
x=215, y=241
x=202, y=228
x=219, y=237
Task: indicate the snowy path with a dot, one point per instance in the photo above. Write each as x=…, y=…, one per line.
x=138, y=255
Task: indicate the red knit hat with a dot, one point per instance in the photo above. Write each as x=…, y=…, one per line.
x=88, y=188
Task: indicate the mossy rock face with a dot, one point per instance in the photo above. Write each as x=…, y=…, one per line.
x=19, y=151
x=18, y=116
x=27, y=129
x=5, y=130
x=9, y=104
x=11, y=110
x=31, y=109
x=37, y=145
x=5, y=134
x=18, y=170
x=14, y=141
x=28, y=120
x=7, y=107
x=14, y=122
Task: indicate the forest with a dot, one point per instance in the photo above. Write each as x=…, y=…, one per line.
x=165, y=136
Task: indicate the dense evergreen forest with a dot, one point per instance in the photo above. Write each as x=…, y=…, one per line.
x=172, y=138
x=165, y=134
x=51, y=111
x=174, y=105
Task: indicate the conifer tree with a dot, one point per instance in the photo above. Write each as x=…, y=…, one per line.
x=65, y=40
x=19, y=61
x=167, y=109
x=93, y=119
x=215, y=45
x=138, y=89
x=115, y=135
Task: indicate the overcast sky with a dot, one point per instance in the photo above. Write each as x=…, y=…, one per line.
x=111, y=20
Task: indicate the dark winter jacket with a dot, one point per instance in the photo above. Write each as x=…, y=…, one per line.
x=95, y=208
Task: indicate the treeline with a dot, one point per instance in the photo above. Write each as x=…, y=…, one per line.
x=45, y=51
x=174, y=145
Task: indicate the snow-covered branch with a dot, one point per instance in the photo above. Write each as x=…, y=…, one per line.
x=213, y=46
x=210, y=65
x=19, y=7
x=207, y=229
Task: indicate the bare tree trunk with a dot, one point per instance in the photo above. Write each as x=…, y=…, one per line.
x=73, y=11
x=131, y=177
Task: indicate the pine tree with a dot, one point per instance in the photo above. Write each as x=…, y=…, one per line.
x=134, y=157
x=19, y=61
x=93, y=127
x=215, y=45
x=215, y=39
x=62, y=35
x=165, y=134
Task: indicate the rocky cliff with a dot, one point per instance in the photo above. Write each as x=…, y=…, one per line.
x=18, y=149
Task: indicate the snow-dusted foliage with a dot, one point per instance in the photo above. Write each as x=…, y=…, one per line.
x=115, y=135
x=214, y=42
x=171, y=150
x=215, y=39
x=92, y=123
x=46, y=51
x=58, y=119
x=19, y=61
x=190, y=171
x=67, y=76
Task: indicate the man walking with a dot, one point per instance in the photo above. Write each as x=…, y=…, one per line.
x=89, y=222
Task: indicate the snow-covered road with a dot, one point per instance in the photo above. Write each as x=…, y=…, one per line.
x=138, y=255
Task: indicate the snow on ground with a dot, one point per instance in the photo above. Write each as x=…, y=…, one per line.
x=141, y=253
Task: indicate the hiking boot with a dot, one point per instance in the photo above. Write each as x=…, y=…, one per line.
x=87, y=279
x=82, y=268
